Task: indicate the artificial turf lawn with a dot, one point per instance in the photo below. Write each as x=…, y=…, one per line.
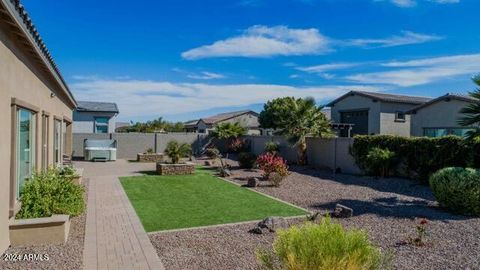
x=182, y=201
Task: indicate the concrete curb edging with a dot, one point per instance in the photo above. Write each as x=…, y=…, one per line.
x=218, y=225
x=266, y=195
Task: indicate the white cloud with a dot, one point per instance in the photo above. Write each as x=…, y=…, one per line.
x=206, y=76
x=263, y=41
x=137, y=98
x=413, y=3
x=422, y=71
x=319, y=69
x=406, y=38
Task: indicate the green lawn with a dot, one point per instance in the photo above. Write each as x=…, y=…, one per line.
x=172, y=202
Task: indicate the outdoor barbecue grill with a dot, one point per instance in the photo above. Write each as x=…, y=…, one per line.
x=100, y=150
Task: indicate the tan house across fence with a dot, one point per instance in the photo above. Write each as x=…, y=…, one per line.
x=36, y=107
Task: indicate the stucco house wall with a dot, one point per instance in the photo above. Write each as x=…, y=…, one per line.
x=357, y=102
x=23, y=80
x=441, y=114
x=84, y=122
x=391, y=126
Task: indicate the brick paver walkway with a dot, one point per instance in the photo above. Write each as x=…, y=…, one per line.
x=114, y=236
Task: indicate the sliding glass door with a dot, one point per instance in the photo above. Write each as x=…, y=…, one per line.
x=25, y=147
x=57, y=141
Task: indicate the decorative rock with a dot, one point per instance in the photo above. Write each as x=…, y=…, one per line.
x=209, y=163
x=273, y=223
x=341, y=211
x=314, y=217
x=252, y=182
x=256, y=230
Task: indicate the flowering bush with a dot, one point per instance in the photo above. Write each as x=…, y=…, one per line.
x=422, y=233
x=270, y=163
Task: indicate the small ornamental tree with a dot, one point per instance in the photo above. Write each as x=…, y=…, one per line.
x=228, y=132
x=175, y=151
x=296, y=119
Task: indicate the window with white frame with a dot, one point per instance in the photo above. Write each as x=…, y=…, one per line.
x=101, y=124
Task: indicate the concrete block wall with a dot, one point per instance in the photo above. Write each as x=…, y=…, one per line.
x=332, y=154
x=286, y=151
x=130, y=144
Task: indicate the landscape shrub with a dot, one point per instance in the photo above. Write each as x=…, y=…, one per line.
x=457, y=189
x=176, y=150
x=48, y=193
x=380, y=161
x=416, y=157
x=270, y=163
x=212, y=153
x=272, y=147
x=237, y=145
x=246, y=160
x=322, y=246
x=67, y=172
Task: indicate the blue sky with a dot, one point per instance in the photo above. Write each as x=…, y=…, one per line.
x=188, y=59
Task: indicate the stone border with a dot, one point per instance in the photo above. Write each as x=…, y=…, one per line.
x=175, y=169
x=39, y=231
x=149, y=157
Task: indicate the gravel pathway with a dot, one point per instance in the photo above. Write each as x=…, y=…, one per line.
x=66, y=256
x=387, y=209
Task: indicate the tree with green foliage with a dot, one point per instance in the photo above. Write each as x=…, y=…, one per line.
x=296, y=119
x=157, y=125
x=472, y=113
x=176, y=150
x=228, y=132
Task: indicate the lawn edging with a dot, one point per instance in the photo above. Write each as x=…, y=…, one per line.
x=266, y=195
x=218, y=225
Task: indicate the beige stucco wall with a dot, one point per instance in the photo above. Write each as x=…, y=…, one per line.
x=21, y=77
x=357, y=102
x=442, y=114
x=388, y=124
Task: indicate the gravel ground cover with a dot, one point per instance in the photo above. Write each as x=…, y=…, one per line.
x=388, y=209
x=66, y=256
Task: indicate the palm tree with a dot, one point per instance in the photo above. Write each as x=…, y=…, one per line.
x=305, y=119
x=227, y=132
x=472, y=113
x=175, y=150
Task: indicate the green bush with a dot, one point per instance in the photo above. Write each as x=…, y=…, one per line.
x=380, y=161
x=272, y=147
x=212, y=153
x=322, y=246
x=246, y=160
x=48, y=193
x=457, y=189
x=418, y=157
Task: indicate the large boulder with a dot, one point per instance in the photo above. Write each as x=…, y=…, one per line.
x=342, y=211
x=252, y=182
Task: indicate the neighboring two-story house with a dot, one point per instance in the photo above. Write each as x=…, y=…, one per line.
x=36, y=107
x=248, y=119
x=95, y=117
x=374, y=113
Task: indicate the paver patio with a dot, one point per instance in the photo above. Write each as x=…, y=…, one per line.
x=114, y=236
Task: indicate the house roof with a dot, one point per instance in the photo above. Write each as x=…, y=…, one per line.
x=90, y=106
x=393, y=98
x=225, y=116
x=448, y=96
x=19, y=16
x=191, y=123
